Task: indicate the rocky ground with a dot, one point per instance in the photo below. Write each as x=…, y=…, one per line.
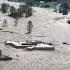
x=48, y=26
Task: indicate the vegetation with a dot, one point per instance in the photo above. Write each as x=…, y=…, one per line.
x=13, y=12
x=23, y=9
x=28, y=12
x=65, y=8
x=4, y=7
x=30, y=2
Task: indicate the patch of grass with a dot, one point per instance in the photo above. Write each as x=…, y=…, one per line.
x=51, y=4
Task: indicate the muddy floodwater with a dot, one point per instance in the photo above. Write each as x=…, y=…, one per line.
x=48, y=26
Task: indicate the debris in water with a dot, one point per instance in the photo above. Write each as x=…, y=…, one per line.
x=5, y=58
x=65, y=43
x=68, y=21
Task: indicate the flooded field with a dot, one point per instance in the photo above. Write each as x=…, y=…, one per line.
x=48, y=26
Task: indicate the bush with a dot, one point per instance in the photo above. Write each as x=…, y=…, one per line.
x=47, y=6
x=30, y=2
x=4, y=7
x=65, y=12
x=13, y=12
x=22, y=8
x=25, y=9
x=65, y=8
x=20, y=11
x=28, y=12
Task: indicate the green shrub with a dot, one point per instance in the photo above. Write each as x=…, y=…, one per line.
x=47, y=6
x=28, y=12
x=13, y=12
x=22, y=8
x=4, y=7
x=25, y=9
x=20, y=11
x=30, y=2
x=65, y=7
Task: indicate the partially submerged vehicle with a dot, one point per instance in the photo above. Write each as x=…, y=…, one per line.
x=41, y=46
x=19, y=44
x=33, y=45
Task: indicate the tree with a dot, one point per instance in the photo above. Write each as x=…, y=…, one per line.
x=25, y=9
x=13, y=11
x=30, y=2
x=4, y=7
x=22, y=8
x=28, y=12
x=65, y=7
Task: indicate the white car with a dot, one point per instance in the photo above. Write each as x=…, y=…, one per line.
x=41, y=46
x=37, y=45
x=17, y=44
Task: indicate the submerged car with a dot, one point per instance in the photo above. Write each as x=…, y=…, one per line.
x=41, y=46
x=33, y=45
